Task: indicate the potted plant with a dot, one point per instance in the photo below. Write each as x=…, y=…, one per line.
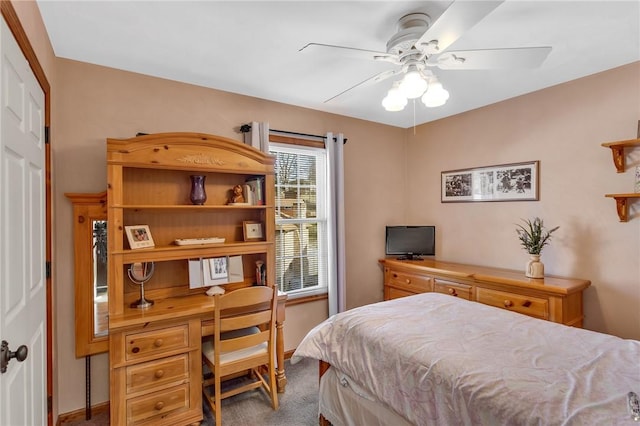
x=533, y=237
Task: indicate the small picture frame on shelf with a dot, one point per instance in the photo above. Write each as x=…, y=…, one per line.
x=252, y=231
x=139, y=236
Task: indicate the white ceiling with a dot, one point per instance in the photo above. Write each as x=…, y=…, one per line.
x=251, y=47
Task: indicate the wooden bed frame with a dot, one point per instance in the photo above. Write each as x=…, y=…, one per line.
x=322, y=368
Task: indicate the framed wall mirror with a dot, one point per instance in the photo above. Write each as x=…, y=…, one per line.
x=90, y=272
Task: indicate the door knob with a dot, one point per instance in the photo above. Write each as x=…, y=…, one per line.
x=6, y=355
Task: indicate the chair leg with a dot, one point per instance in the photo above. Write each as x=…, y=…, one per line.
x=218, y=402
x=273, y=388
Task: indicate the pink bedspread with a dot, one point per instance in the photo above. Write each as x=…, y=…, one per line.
x=440, y=360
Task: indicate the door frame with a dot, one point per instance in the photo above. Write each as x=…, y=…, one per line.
x=11, y=18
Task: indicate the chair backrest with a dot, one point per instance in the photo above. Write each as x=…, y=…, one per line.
x=242, y=309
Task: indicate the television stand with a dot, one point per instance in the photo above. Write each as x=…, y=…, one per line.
x=410, y=257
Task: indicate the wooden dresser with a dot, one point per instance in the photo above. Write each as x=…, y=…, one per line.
x=552, y=298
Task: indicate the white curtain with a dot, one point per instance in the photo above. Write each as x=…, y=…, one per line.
x=258, y=136
x=335, y=151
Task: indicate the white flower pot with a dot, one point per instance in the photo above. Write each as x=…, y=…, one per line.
x=534, y=268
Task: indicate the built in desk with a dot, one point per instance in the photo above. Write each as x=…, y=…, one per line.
x=156, y=359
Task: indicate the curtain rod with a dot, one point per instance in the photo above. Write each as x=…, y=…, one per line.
x=245, y=128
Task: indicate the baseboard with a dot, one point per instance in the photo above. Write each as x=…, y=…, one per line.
x=82, y=413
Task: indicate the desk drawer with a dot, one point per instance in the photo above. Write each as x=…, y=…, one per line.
x=531, y=306
x=410, y=282
x=156, y=373
x=161, y=403
x=462, y=291
x=140, y=345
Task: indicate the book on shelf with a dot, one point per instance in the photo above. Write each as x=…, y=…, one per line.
x=248, y=194
x=255, y=190
x=261, y=273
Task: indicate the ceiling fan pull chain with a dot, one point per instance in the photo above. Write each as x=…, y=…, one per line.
x=414, y=117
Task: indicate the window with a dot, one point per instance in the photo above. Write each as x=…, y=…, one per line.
x=301, y=219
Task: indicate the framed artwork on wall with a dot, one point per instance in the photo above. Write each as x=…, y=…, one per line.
x=504, y=182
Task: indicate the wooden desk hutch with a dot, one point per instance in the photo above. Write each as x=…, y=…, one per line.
x=154, y=353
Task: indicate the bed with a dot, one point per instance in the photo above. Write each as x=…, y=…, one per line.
x=433, y=359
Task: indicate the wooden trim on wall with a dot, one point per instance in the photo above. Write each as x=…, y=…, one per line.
x=306, y=299
x=13, y=22
x=79, y=415
x=295, y=141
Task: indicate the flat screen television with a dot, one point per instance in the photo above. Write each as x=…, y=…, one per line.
x=410, y=242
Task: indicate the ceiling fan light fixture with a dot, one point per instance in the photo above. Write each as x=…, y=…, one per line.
x=413, y=85
x=435, y=96
x=395, y=100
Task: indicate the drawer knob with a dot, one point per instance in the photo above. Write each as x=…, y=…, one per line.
x=408, y=281
x=159, y=405
x=526, y=303
x=159, y=374
x=508, y=303
x=452, y=291
x=158, y=343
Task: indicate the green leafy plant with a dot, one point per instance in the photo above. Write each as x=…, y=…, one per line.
x=533, y=236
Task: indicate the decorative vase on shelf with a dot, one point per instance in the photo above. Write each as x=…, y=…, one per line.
x=534, y=268
x=198, y=195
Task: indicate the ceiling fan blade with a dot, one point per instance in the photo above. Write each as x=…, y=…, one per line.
x=352, y=52
x=369, y=81
x=485, y=59
x=455, y=21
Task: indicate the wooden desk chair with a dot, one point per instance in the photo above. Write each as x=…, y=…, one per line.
x=243, y=339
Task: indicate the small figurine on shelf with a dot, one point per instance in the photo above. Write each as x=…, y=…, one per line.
x=237, y=195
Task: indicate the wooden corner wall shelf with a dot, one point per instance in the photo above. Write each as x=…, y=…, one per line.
x=622, y=203
x=617, y=150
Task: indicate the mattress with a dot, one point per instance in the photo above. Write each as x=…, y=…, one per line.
x=438, y=360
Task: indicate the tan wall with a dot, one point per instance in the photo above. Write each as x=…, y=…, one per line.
x=97, y=102
x=563, y=127
x=31, y=20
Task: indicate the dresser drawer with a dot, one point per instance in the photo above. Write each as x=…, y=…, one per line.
x=462, y=291
x=410, y=282
x=161, y=403
x=394, y=293
x=157, y=373
x=532, y=306
x=140, y=345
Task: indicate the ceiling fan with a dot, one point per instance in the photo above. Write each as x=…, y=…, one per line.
x=420, y=45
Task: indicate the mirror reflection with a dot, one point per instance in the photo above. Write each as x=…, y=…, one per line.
x=100, y=298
